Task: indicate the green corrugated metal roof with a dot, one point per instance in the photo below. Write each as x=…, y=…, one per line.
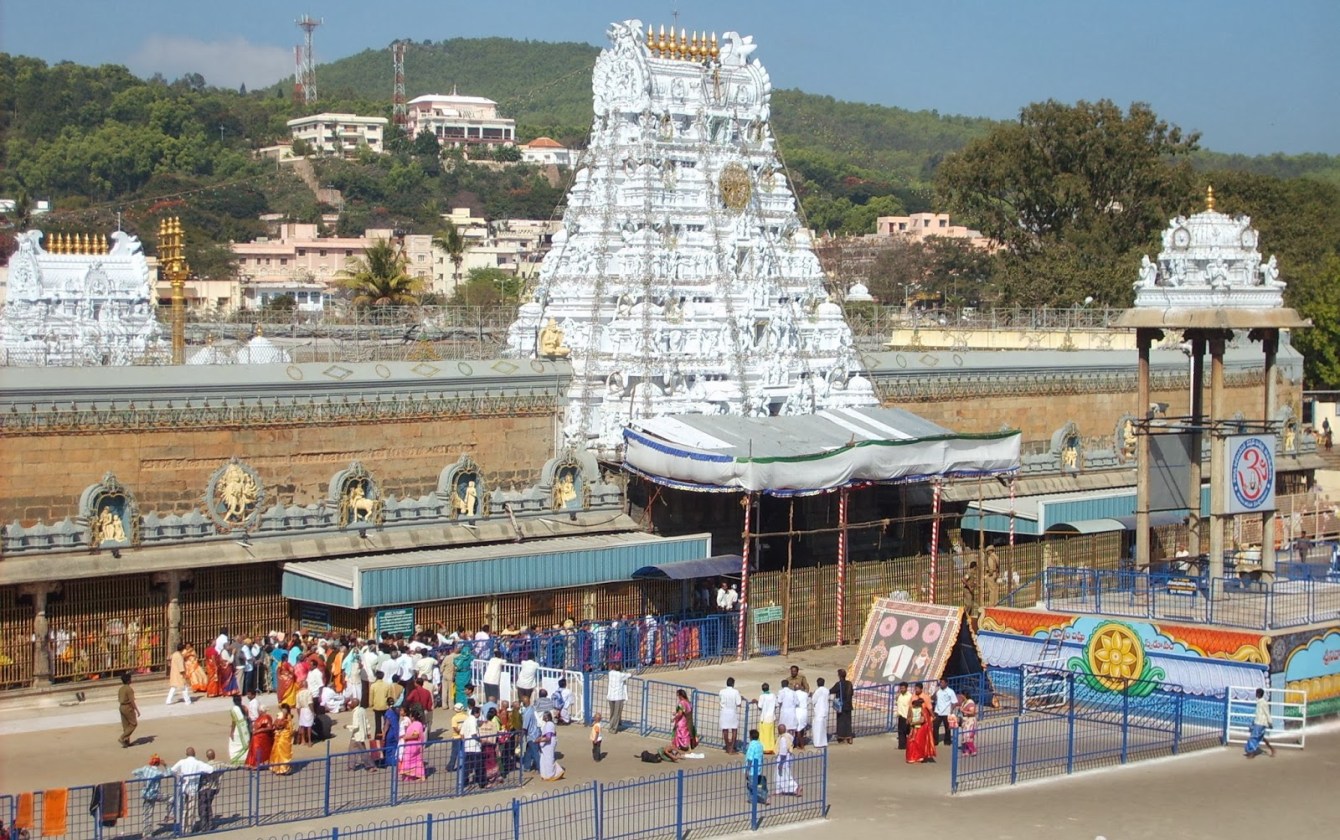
x=445, y=573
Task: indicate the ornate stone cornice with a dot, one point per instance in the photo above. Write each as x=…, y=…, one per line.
x=75, y=418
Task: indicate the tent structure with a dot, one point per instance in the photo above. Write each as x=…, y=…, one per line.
x=905, y=641
x=810, y=453
x=797, y=455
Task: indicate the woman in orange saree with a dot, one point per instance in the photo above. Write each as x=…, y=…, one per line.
x=195, y=675
x=288, y=685
x=282, y=751
x=212, y=672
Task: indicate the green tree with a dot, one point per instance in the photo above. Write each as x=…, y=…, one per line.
x=378, y=279
x=453, y=243
x=1070, y=188
x=489, y=287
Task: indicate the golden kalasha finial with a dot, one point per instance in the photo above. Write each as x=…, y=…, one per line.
x=713, y=51
x=60, y=243
x=1209, y=199
x=651, y=38
x=695, y=52
x=83, y=243
x=260, y=331
x=683, y=44
x=661, y=44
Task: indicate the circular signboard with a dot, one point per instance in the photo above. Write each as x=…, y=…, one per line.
x=1252, y=472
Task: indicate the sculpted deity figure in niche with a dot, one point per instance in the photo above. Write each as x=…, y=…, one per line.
x=1128, y=438
x=551, y=341
x=107, y=527
x=565, y=491
x=238, y=491
x=361, y=508
x=1290, y=437
x=465, y=503
x=1070, y=457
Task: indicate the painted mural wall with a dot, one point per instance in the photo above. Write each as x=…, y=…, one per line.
x=1110, y=652
x=1309, y=661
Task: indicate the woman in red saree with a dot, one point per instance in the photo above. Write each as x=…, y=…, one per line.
x=262, y=740
x=288, y=685
x=921, y=737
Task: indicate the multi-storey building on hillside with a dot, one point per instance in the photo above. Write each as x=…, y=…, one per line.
x=339, y=134
x=458, y=120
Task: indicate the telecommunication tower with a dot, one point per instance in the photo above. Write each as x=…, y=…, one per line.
x=299, y=98
x=399, y=111
x=307, y=62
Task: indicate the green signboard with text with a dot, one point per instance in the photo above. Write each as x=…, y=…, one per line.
x=397, y=622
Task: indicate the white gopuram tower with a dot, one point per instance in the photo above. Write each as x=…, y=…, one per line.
x=683, y=281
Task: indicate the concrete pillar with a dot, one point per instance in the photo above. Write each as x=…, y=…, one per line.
x=1270, y=341
x=1193, y=541
x=1218, y=502
x=1144, y=339
x=41, y=630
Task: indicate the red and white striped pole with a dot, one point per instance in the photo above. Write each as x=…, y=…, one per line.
x=744, y=581
x=980, y=513
x=842, y=564
x=935, y=535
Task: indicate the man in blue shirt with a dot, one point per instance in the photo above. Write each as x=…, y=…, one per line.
x=754, y=781
x=530, y=722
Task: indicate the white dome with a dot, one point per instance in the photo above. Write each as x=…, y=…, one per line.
x=860, y=385
x=262, y=351
x=858, y=293
x=208, y=355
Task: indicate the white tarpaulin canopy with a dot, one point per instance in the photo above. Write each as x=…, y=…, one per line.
x=809, y=453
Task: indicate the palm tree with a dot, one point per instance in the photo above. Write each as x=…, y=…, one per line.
x=453, y=242
x=378, y=278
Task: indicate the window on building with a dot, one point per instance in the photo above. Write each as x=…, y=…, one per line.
x=943, y=222
x=302, y=252
x=323, y=252
x=283, y=260
x=348, y=252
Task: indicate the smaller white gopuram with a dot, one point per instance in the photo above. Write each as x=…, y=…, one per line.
x=79, y=302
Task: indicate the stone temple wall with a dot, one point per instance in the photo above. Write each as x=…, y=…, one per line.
x=64, y=430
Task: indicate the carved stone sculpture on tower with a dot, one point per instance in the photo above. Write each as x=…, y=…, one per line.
x=682, y=252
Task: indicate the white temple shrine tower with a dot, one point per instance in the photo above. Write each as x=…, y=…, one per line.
x=1208, y=283
x=683, y=281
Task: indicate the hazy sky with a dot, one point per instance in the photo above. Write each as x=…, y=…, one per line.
x=1253, y=77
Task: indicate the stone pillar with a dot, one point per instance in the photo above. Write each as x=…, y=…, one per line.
x=1270, y=341
x=41, y=630
x=1144, y=339
x=173, y=580
x=1218, y=503
x=1193, y=541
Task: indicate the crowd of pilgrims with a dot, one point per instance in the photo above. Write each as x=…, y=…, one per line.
x=393, y=687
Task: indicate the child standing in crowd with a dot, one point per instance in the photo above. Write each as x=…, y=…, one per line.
x=596, y=738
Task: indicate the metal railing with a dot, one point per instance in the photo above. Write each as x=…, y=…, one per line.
x=1086, y=722
x=1229, y=601
x=236, y=797
x=703, y=802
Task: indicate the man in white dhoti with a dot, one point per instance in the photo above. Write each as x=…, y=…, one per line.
x=786, y=707
x=785, y=782
x=819, y=722
x=730, y=715
x=802, y=716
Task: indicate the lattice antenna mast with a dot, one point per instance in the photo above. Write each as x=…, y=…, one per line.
x=298, y=97
x=308, y=25
x=399, y=110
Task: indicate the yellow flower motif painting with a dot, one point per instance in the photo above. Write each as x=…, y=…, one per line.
x=1115, y=656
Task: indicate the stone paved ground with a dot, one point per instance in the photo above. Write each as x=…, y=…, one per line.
x=1210, y=794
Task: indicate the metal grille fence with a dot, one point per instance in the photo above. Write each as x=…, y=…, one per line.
x=103, y=626
x=1094, y=724
x=705, y=802
x=1225, y=601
